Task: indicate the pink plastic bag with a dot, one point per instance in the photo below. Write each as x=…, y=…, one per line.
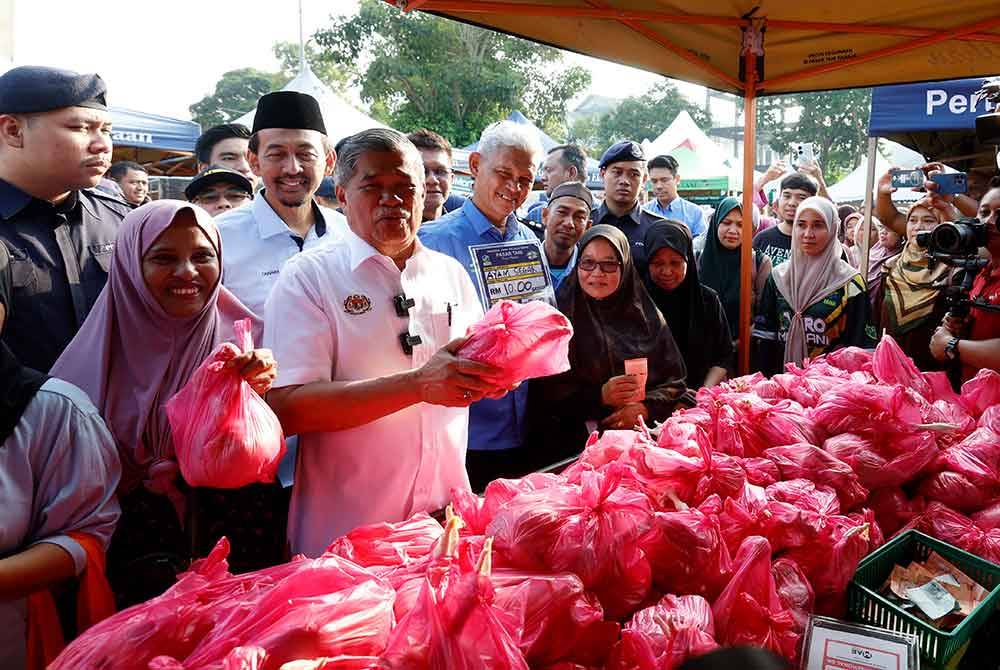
x=525, y=340
x=805, y=461
x=883, y=462
x=557, y=619
x=891, y=366
x=688, y=554
x=455, y=625
x=949, y=526
x=225, y=435
x=749, y=611
x=389, y=545
x=663, y=636
x=893, y=509
x=956, y=491
x=850, y=359
x=988, y=518
x=797, y=512
x=869, y=409
x=795, y=591
x=981, y=392
x=592, y=530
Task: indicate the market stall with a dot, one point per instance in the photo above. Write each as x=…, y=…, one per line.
x=165, y=146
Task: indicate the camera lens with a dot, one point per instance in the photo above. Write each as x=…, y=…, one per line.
x=948, y=238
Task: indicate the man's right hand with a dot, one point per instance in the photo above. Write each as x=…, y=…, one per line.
x=619, y=391
x=451, y=381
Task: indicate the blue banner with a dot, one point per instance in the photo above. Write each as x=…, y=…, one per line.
x=935, y=106
x=149, y=131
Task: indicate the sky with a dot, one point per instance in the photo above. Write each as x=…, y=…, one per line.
x=163, y=61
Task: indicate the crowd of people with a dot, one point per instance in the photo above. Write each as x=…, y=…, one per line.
x=355, y=264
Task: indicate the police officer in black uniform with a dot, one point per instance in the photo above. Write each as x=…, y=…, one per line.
x=55, y=145
x=623, y=170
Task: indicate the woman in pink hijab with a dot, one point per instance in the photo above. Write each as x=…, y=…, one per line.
x=163, y=311
x=815, y=301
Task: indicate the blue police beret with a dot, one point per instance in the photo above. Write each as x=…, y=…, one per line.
x=327, y=188
x=34, y=88
x=626, y=150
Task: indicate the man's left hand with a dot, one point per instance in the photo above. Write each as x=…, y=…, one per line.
x=626, y=417
x=258, y=368
x=939, y=341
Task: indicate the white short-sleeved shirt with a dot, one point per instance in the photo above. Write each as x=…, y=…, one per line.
x=256, y=244
x=331, y=317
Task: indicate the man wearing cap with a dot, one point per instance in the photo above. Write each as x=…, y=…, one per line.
x=55, y=146
x=665, y=178
x=326, y=195
x=218, y=189
x=623, y=169
x=225, y=146
x=504, y=169
x=290, y=152
x=566, y=216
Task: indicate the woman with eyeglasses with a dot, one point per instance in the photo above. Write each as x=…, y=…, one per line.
x=617, y=331
x=162, y=313
x=815, y=302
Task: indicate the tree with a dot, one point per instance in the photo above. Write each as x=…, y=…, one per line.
x=235, y=93
x=422, y=70
x=328, y=72
x=836, y=122
x=638, y=118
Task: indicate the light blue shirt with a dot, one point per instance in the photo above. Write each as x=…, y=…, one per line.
x=679, y=209
x=493, y=424
x=558, y=274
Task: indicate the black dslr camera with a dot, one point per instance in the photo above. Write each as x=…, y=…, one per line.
x=956, y=244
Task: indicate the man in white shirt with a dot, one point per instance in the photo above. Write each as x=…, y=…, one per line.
x=290, y=152
x=367, y=329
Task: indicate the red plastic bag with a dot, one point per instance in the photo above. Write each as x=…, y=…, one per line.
x=885, y=462
x=869, y=409
x=749, y=611
x=949, y=526
x=956, y=491
x=797, y=512
x=893, y=509
x=389, y=544
x=990, y=419
x=805, y=461
x=795, y=591
x=455, y=626
x=981, y=392
x=988, y=518
x=592, y=529
x=850, y=359
x=225, y=435
x=891, y=366
x=761, y=471
x=525, y=340
x=663, y=636
x=170, y=624
x=688, y=554
x=557, y=619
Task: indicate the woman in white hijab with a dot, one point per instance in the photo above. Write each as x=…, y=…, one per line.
x=815, y=301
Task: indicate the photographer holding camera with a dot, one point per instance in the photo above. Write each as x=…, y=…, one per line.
x=972, y=340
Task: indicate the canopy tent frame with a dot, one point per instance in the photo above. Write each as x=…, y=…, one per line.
x=750, y=84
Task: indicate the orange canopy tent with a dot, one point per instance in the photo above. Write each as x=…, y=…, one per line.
x=757, y=47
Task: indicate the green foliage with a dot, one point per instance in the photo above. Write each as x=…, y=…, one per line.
x=422, y=70
x=235, y=94
x=836, y=122
x=328, y=72
x=637, y=118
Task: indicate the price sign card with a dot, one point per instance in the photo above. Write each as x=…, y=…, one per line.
x=512, y=271
x=835, y=645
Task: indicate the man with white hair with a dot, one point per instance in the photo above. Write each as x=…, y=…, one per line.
x=504, y=170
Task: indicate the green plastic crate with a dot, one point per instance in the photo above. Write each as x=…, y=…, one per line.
x=865, y=605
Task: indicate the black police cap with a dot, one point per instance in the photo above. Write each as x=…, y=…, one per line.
x=215, y=175
x=31, y=89
x=626, y=150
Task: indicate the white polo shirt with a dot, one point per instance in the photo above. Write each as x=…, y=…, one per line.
x=331, y=317
x=256, y=243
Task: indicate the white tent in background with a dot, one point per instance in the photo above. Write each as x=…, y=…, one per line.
x=709, y=159
x=340, y=117
x=851, y=189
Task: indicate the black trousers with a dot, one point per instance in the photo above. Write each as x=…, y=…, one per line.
x=484, y=466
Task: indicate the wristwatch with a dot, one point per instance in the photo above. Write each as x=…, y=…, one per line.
x=951, y=349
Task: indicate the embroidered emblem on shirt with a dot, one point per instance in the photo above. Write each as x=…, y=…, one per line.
x=357, y=304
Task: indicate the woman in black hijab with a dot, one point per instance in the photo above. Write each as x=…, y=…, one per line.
x=614, y=321
x=693, y=311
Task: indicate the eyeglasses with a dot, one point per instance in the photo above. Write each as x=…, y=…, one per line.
x=402, y=305
x=214, y=198
x=607, y=267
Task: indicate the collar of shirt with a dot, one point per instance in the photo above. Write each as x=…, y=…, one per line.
x=572, y=259
x=481, y=225
x=12, y=199
x=603, y=212
x=269, y=224
x=360, y=251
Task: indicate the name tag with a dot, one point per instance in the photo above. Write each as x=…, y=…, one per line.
x=270, y=273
